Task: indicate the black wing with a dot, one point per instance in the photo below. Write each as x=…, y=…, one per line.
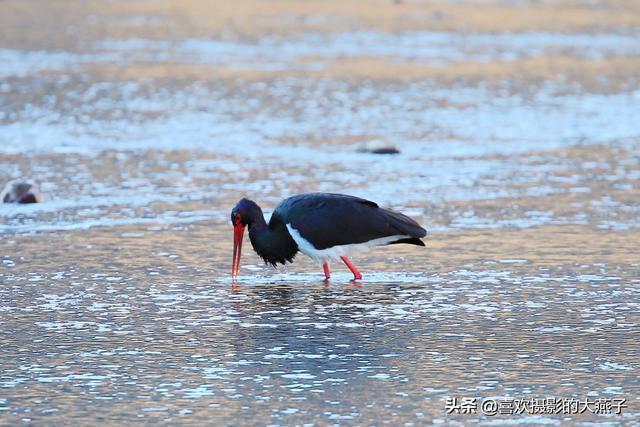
x=327, y=220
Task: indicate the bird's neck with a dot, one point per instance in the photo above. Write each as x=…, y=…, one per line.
x=272, y=242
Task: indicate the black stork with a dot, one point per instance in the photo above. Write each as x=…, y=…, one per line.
x=323, y=226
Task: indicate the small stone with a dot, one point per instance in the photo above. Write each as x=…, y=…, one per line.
x=377, y=147
x=20, y=191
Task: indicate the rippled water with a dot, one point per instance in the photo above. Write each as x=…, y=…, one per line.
x=277, y=53
x=116, y=303
x=170, y=341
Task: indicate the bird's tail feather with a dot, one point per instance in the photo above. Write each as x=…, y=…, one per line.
x=405, y=226
x=410, y=241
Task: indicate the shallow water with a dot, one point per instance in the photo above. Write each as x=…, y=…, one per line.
x=281, y=53
x=163, y=338
x=115, y=292
x=140, y=322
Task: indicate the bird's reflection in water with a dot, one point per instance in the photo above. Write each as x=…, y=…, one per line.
x=328, y=327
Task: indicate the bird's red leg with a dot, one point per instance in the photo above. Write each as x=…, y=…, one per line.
x=327, y=273
x=356, y=274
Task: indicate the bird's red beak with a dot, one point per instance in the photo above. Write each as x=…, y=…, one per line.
x=238, y=232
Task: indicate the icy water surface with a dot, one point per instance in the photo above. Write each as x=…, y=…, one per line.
x=162, y=338
x=518, y=152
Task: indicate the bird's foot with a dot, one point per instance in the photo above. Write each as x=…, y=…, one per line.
x=356, y=274
x=327, y=273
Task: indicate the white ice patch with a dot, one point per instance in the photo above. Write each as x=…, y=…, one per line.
x=335, y=252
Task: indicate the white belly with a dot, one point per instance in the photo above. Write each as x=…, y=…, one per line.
x=335, y=252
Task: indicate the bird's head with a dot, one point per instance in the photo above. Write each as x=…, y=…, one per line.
x=243, y=214
x=246, y=212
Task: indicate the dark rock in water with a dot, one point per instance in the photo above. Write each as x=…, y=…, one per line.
x=20, y=191
x=378, y=148
x=385, y=150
